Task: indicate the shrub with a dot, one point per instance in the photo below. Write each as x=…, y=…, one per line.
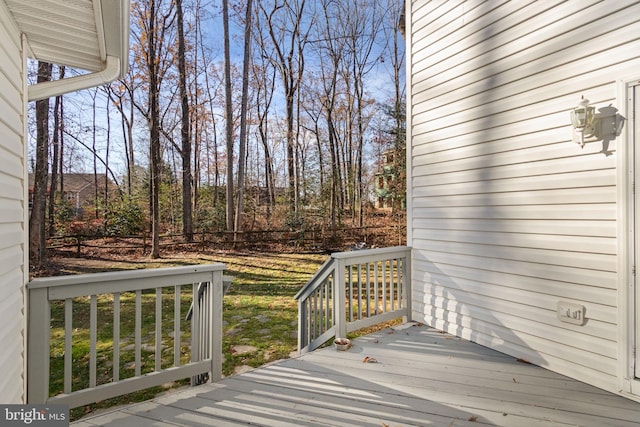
x=124, y=217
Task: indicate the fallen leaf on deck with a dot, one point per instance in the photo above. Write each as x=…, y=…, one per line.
x=473, y=418
x=523, y=361
x=368, y=359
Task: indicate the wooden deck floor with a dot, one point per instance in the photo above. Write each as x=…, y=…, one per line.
x=419, y=377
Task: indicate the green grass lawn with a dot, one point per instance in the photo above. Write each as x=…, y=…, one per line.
x=260, y=315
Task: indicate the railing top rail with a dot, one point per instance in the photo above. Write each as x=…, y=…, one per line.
x=348, y=256
x=370, y=252
x=371, y=255
x=116, y=281
x=315, y=279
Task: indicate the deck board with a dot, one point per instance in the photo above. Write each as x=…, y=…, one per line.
x=421, y=377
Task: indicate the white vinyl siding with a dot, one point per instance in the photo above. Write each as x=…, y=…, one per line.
x=12, y=213
x=508, y=215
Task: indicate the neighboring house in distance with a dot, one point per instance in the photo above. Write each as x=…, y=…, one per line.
x=79, y=190
x=86, y=35
x=522, y=240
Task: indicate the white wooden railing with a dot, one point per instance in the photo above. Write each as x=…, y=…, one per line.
x=354, y=290
x=91, y=303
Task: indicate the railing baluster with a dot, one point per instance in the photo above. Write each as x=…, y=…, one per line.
x=376, y=284
x=359, y=278
x=205, y=315
x=327, y=318
x=93, y=330
x=314, y=317
x=195, y=323
x=384, y=286
x=348, y=283
x=392, y=284
x=138, y=334
x=68, y=343
x=319, y=313
x=308, y=314
x=158, y=354
x=116, y=337
x=368, y=291
x=401, y=284
x=176, y=326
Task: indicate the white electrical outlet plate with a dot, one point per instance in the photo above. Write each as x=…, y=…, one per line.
x=571, y=313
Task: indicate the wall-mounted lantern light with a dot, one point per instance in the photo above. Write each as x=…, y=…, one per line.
x=582, y=117
x=588, y=126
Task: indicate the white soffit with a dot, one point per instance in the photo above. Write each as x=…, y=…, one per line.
x=60, y=31
x=90, y=35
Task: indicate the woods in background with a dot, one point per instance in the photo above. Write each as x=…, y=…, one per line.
x=285, y=127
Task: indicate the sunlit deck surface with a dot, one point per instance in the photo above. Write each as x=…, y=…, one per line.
x=418, y=377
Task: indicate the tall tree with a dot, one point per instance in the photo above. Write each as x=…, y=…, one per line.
x=121, y=95
x=154, y=132
x=243, y=117
x=265, y=75
x=264, y=97
x=37, y=226
x=58, y=126
x=362, y=28
x=185, y=153
x=228, y=114
x=393, y=30
x=284, y=23
x=331, y=53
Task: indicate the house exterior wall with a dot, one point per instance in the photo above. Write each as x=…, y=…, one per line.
x=13, y=225
x=507, y=216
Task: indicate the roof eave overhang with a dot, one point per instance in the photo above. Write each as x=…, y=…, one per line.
x=112, y=23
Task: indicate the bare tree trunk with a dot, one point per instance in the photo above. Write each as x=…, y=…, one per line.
x=95, y=154
x=154, y=135
x=126, y=123
x=62, y=133
x=131, y=164
x=187, y=213
x=264, y=96
x=106, y=160
x=243, y=118
x=37, y=229
x=197, y=116
x=57, y=135
x=229, y=115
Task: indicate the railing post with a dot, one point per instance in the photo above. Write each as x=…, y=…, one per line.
x=38, y=346
x=407, y=285
x=215, y=324
x=339, y=295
